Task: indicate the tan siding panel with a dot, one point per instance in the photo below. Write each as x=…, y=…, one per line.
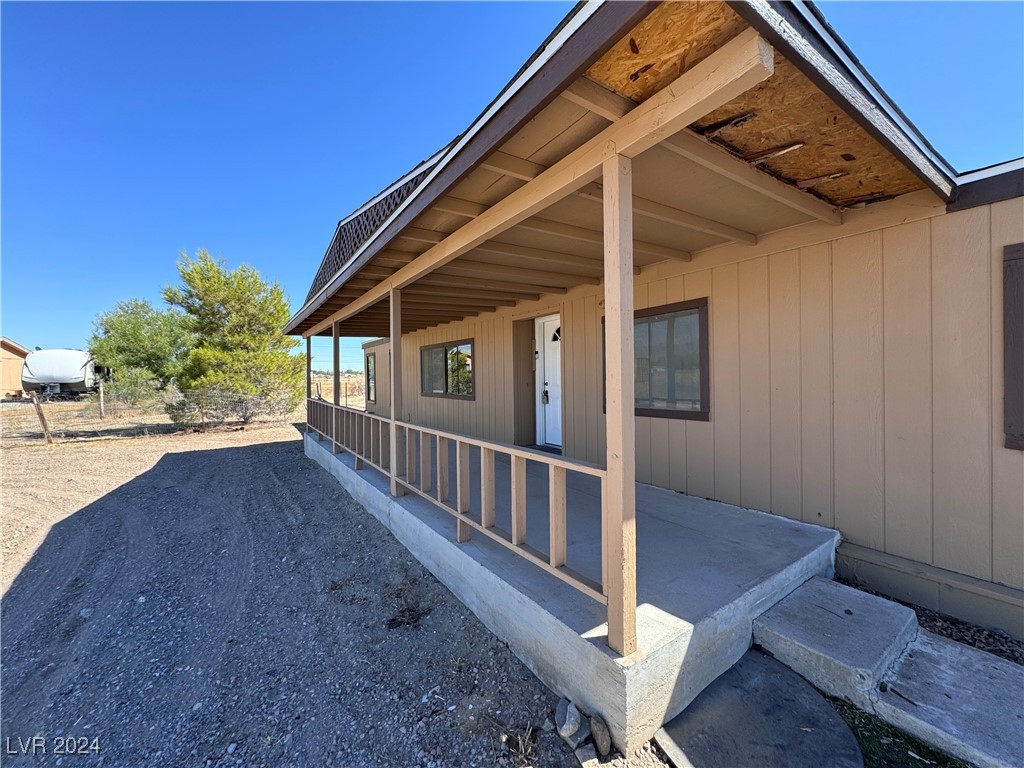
x=857, y=383
x=908, y=391
x=675, y=290
x=643, y=424
x=784, y=324
x=660, y=460
x=755, y=421
x=725, y=381
x=816, y=383
x=961, y=318
x=1007, y=464
x=700, y=435
x=593, y=378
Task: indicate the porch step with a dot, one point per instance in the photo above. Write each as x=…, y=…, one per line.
x=869, y=650
x=840, y=639
x=964, y=701
x=759, y=713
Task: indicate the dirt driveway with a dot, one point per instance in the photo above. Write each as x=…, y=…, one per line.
x=218, y=600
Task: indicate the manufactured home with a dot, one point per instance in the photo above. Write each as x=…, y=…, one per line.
x=690, y=314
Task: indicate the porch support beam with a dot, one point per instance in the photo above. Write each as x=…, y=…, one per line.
x=611, y=106
x=583, y=235
x=395, y=368
x=309, y=377
x=471, y=210
x=733, y=69
x=620, y=482
x=337, y=361
x=539, y=277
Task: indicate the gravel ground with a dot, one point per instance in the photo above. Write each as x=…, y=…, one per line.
x=201, y=600
x=991, y=640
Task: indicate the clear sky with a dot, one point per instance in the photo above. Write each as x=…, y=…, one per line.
x=131, y=132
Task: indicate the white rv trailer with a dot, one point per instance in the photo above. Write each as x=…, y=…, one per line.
x=61, y=372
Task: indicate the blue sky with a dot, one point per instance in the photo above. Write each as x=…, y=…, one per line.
x=131, y=132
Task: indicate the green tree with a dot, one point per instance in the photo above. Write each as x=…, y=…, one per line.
x=236, y=318
x=136, y=336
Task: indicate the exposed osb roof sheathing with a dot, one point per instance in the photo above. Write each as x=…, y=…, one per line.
x=787, y=108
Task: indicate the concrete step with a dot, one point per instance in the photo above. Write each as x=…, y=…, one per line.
x=759, y=713
x=964, y=701
x=869, y=650
x=840, y=639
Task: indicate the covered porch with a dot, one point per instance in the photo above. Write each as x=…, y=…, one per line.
x=704, y=570
x=627, y=598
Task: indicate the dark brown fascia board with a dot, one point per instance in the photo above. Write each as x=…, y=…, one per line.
x=994, y=189
x=375, y=343
x=596, y=35
x=787, y=28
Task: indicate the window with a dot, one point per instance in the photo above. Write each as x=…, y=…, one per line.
x=446, y=370
x=1013, y=346
x=371, y=377
x=670, y=351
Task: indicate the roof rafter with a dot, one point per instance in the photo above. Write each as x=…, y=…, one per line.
x=737, y=66
x=611, y=106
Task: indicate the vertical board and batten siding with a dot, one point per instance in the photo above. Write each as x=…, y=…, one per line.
x=856, y=382
x=489, y=414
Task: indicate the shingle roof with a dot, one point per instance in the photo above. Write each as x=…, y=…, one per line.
x=357, y=228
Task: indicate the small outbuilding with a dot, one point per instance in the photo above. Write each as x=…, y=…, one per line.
x=12, y=358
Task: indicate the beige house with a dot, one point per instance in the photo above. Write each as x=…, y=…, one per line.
x=692, y=246
x=12, y=358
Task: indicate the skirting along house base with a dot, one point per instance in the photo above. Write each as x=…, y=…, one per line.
x=691, y=262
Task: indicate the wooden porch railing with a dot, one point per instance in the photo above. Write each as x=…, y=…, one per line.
x=423, y=469
x=366, y=436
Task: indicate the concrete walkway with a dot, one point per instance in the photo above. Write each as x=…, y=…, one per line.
x=760, y=713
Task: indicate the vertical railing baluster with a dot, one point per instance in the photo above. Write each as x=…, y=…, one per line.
x=442, y=468
x=487, y=487
x=410, y=456
x=518, y=500
x=426, y=476
x=358, y=438
x=462, y=481
x=556, y=510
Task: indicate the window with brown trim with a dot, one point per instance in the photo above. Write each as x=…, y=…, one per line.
x=1013, y=345
x=371, y=377
x=670, y=351
x=446, y=370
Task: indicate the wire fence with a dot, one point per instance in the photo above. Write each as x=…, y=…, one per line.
x=25, y=422
x=351, y=390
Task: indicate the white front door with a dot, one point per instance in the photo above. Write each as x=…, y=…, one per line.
x=548, y=333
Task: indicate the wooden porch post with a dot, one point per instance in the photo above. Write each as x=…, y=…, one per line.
x=619, y=528
x=397, y=450
x=337, y=363
x=335, y=431
x=309, y=377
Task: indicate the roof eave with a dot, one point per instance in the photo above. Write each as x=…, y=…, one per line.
x=594, y=27
x=796, y=30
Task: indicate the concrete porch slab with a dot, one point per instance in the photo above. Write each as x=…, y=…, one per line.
x=704, y=571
